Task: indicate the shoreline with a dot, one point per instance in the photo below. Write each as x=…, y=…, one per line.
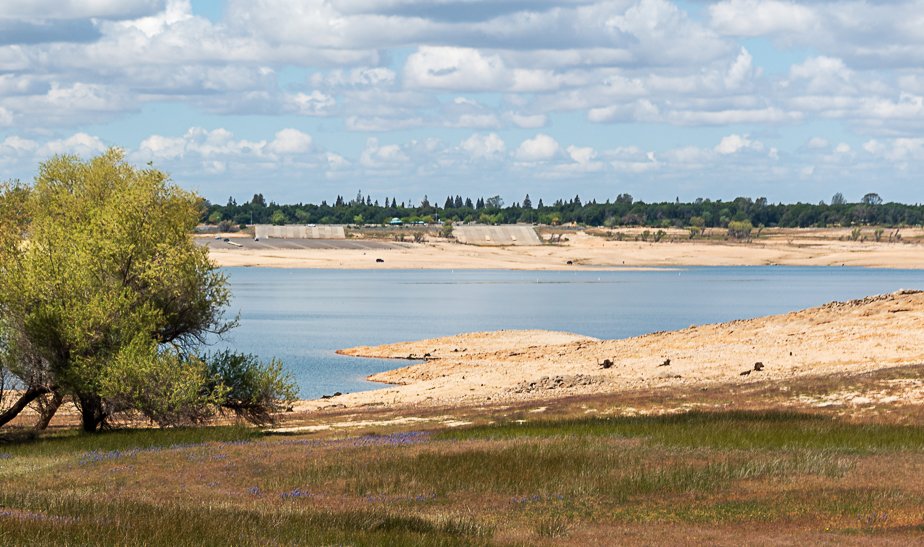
x=595, y=252
x=511, y=366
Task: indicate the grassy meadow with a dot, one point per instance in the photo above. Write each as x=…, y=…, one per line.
x=514, y=476
x=576, y=480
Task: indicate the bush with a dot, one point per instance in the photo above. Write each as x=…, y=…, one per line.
x=162, y=386
x=253, y=390
x=740, y=229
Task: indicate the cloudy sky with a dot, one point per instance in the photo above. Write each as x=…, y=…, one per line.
x=303, y=100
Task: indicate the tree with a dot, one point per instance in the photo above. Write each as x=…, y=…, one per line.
x=494, y=202
x=279, y=218
x=838, y=199
x=527, y=203
x=740, y=229
x=871, y=199
x=104, y=297
x=624, y=199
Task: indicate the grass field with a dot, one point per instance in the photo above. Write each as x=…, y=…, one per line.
x=714, y=477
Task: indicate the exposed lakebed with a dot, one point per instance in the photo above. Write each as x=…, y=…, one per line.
x=302, y=316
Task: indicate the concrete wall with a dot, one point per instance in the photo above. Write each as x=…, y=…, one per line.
x=327, y=231
x=509, y=234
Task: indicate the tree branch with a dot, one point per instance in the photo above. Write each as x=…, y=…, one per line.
x=27, y=397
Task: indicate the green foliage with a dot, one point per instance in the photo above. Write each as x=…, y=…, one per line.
x=103, y=292
x=163, y=386
x=446, y=230
x=624, y=210
x=279, y=218
x=740, y=229
x=247, y=387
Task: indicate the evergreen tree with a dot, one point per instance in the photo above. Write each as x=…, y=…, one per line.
x=468, y=203
x=527, y=203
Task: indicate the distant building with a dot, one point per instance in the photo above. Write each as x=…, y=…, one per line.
x=396, y=221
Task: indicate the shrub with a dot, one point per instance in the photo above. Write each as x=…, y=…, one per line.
x=740, y=229
x=163, y=386
x=253, y=390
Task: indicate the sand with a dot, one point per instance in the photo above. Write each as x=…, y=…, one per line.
x=806, y=247
x=510, y=366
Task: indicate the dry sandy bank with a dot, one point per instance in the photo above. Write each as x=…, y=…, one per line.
x=509, y=366
x=806, y=247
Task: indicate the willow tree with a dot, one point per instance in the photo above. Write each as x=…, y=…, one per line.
x=104, y=296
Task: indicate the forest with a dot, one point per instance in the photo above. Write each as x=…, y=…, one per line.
x=621, y=211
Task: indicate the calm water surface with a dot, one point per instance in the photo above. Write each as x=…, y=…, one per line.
x=303, y=316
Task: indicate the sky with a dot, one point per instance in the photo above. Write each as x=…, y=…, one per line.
x=304, y=100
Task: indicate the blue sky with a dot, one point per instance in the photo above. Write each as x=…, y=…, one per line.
x=305, y=100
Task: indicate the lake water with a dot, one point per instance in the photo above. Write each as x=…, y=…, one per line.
x=302, y=316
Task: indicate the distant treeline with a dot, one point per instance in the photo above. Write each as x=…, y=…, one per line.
x=622, y=211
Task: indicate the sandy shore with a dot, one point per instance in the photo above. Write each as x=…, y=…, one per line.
x=807, y=247
x=510, y=366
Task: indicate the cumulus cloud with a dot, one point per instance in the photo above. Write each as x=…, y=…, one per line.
x=542, y=147
x=290, y=141
x=761, y=17
x=733, y=144
x=80, y=144
x=455, y=68
x=488, y=147
x=443, y=70
x=312, y=104
x=382, y=156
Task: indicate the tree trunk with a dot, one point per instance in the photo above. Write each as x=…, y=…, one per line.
x=92, y=414
x=48, y=409
x=27, y=397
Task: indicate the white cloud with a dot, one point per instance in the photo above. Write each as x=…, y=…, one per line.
x=734, y=143
x=19, y=145
x=760, y=17
x=357, y=77
x=527, y=121
x=542, y=147
x=455, y=68
x=290, y=141
x=897, y=150
x=488, y=147
x=80, y=144
x=158, y=146
x=817, y=143
x=312, y=104
x=78, y=9
x=376, y=156
x=740, y=71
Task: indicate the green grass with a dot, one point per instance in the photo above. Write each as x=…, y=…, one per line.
x=100, y=522
x=529, y=483
x=75, y=442
x=731, y=430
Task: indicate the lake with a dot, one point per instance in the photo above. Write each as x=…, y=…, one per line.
x=302, y=316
